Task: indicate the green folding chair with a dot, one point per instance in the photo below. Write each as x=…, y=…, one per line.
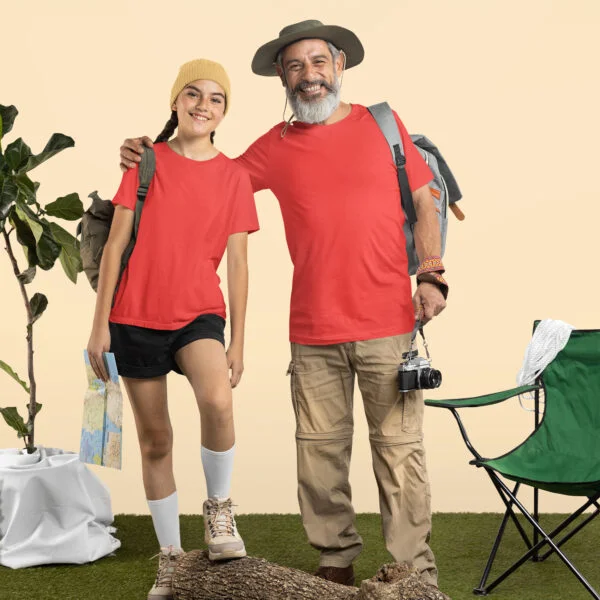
x=562, y=455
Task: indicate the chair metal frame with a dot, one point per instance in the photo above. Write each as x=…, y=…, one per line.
x=540, y=537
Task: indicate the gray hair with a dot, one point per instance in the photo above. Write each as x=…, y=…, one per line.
x=335, y=52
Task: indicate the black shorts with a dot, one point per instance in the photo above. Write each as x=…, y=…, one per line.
x=143, y=353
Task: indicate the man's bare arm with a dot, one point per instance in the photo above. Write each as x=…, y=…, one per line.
x=428, y=241
x=428, y=299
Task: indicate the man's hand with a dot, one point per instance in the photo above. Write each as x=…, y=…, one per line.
x=428, y=302
x=131, y=151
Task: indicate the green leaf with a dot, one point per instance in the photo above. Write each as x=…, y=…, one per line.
x=47, y=250
x=8, y=115
x=39, y=303
x=68, y=207
x=70, y=259
x=29, y=217
x=26, y=187
x=12, y=374
x=56, y=144
x=17, y=154
x=27, y=276
x=8, y=195
x=25, y=238
x=71, y=263
x=13, y=418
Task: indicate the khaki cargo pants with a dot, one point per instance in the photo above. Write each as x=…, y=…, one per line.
x=322, y=382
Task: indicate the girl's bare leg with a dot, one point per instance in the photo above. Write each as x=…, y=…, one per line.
x=148, y=399
x=205, y=365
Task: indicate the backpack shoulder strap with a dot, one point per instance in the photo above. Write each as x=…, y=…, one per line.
x=382, y=113
x=145, y=174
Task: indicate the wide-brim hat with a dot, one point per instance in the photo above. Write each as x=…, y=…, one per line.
x=263, y=62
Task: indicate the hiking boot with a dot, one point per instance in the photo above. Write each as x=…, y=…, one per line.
x=163, y=586
x=342, y=575
x=220, y=531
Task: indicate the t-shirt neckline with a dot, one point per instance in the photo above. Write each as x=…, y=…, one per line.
x=192, y=160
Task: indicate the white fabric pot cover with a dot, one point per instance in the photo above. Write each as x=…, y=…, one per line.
x=53, y=511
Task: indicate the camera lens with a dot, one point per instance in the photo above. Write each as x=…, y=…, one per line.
x=430, y=378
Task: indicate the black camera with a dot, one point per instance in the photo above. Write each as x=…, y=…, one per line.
x=415, y=373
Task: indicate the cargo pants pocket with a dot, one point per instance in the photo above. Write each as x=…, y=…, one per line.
x=291, y=373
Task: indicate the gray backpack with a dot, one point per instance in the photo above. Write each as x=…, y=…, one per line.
x=97, y=219
x=444, y=188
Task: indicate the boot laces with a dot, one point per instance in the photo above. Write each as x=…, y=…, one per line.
x=220, y=517
x=167, y=561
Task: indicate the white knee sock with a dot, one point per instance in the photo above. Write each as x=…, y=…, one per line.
x=165, y=516
x=218, y=467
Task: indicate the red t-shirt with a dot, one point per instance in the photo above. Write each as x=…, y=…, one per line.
x=191, y=209
x=338, y=191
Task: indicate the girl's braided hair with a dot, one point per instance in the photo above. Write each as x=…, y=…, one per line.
x=170, y=128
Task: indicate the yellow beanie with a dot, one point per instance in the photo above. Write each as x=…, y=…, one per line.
x=201, y=69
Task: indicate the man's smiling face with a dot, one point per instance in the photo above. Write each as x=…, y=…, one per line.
x=310, y=75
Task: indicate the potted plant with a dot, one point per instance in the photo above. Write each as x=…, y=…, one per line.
x=24, y=222
x=77, y=516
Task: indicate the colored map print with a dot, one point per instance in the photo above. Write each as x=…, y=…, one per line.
x=101, y=433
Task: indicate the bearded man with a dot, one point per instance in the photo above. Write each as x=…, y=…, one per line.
x=351, y=313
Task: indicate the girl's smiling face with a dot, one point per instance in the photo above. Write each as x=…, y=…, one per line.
x=200, y=107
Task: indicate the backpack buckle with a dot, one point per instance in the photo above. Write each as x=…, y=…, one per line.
x=142, y=192
x=399, y=157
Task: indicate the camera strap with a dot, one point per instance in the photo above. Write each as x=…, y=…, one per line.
x=413, y=340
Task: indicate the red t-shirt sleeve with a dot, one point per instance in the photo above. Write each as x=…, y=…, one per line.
x=127, y=193
x=417, y=170
x=256, y=161
x=244, y=217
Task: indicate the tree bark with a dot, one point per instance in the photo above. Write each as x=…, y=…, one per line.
x=197, y=578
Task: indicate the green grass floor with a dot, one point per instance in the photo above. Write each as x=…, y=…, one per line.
x=461, y=543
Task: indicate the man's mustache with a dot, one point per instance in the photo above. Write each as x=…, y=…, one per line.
x=306, y=84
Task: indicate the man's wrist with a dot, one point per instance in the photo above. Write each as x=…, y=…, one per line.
x=431, y=264
x=430, y=271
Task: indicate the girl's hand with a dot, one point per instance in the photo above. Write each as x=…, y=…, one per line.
x=99, y=342
x=235, y=361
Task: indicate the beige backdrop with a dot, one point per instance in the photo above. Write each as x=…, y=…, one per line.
x=507, y=88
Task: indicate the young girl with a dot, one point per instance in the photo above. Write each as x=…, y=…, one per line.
x=169, y=313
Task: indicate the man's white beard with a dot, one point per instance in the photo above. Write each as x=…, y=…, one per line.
x=315, y=111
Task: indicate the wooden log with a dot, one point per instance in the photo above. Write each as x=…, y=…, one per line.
x=398, y=582
x=197, y=578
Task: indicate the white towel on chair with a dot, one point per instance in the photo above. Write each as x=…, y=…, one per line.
x=549, y=338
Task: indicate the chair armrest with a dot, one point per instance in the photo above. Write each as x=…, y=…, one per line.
x=485, y=400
